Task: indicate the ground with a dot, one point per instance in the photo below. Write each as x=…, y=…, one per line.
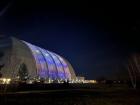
x=100, y=95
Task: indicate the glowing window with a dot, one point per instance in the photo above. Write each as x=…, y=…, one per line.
x=60, y=70
x=51, y=64
x=65, y=66
x=39, y=59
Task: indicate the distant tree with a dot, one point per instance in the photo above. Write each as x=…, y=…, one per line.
x=42, y=80
x=23, y=72
x=133, y=67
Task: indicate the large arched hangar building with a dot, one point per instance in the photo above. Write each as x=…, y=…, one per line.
x=30, y=60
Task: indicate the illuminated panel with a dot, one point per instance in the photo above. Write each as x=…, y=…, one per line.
x=51, y=64
x=40, y=62
x=60, y=70
x=41, y=58
x=35, y=57
x=65, y=67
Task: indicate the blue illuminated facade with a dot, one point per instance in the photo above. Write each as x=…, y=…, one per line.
x=49, y=64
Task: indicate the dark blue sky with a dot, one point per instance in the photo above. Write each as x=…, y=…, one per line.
x=95, y=40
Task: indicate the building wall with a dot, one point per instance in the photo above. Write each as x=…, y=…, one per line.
x=39, y=62
x=19, y=53
x=5, y=49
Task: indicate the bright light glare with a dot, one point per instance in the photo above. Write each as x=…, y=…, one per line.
x=5, y=81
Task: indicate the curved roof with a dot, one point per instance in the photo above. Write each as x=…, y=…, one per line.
x=39, y=62
x=50, y=64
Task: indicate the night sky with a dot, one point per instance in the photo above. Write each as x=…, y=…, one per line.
x=96, y=41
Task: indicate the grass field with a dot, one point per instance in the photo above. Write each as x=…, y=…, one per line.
x=101, y=95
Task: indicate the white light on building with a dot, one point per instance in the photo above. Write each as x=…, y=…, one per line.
x=5, y=81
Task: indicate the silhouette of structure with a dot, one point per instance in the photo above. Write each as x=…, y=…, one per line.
x=24, y=60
